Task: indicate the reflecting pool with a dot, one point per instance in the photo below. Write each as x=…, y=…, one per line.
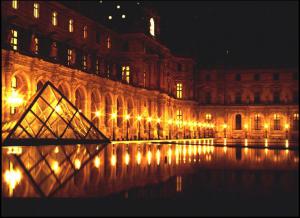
x=151, y=171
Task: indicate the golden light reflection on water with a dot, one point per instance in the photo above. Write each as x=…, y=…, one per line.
x=116, y=158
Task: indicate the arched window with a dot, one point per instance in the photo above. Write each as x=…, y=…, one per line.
x=238, y=122
x=94, y=109
x=130, y=112
x=39, y=85
x=152, y=27
x=107, y=110
x=119, y=112
x=79, y=100
x=14, y=84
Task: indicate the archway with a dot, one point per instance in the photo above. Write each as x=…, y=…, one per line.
x=238, y=122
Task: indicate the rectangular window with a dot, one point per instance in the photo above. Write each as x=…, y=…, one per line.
x=257, y=122
x=276, y=122
x=108, y=42
x=12, y=110
x=54, y=18
x=71, y=25
x=179, y=118
x=144, y=81
x=238, y=98
x=97, y=66
x=276, y=98
x=126, y=74
x=14, y=40
x=36, y=45
x=84, y=62
x=207, y=117
x=276, y=76
x=257, y=98
x=36, y=10
x=179, y=90
x=207, y=98
x=296, y=121
x=14, y=4
x=69, y=56
x=85, y=33
x=257, y=77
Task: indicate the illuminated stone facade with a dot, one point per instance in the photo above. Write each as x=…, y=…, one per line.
x=105, y=73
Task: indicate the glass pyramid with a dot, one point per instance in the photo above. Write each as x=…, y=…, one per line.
x=51, y=119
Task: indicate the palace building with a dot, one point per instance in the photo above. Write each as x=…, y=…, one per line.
x=130, y=85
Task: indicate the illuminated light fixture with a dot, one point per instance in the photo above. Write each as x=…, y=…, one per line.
x=14, y=150
x=109, y=17
x=225, y=141
x=286, y=143
x=56, y=150
x=118, y=6
x=138, y=158
x=286, y=126
x=266, y=126
x=246, y=142
x=14, y=99
x=77, y=164
x=113, y=160
x=149, y=157
x=127, y=116
x=58, y=109
x=224, y=125
x=123, y=16
x=97, y=162
x=149, y=119
x=158, y=156
x=12, y=178
x=80, y=110
x=97, y=113
x=114, y=115
x=246, y=126
x=127, y=158
x=158, y=120
x=170, y=121
x=266, y=142
x=55, y=166
x=139, y=118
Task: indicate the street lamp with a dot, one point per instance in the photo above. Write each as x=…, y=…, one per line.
x=149, y=127
x=286, y=126
x=170, y=123
x=127, y=117
x=225, y=127
x=246, y=130
x=139, y=118
x=158, y=126
x=113, y=116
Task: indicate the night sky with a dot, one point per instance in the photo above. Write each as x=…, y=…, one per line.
x=218, y=33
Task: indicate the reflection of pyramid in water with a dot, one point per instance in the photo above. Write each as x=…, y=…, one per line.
x=51, y=119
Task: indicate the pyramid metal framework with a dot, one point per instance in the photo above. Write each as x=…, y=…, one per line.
x=51, y=119
x=50, y=168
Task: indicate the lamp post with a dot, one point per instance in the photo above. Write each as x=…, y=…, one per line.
x=158, y=127
x=170, y=122
x=127, y=117
x=149, y=127
x=139, y=125
x=286, y=126
x=246, y=130
x=225, y=127
x=113, y=116
x=266, y=130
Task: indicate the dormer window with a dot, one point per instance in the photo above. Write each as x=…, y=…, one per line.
x=54, y=18
x=85, y=33
x=71, y=25
x=14, y=4
x=36, y=10
x=152, y=27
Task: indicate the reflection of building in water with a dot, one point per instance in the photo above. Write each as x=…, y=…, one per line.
x=117, y=168
x=125, y=70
